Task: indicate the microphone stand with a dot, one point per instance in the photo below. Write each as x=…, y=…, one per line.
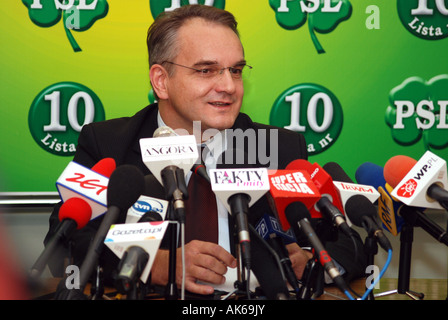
x=310, y=280
x=326, y=231
x=171, y=287
x=404, y=268
x=176, y=191
x=371, y=249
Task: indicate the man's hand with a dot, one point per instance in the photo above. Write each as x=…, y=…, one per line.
x=204, y=262
x=299, y=258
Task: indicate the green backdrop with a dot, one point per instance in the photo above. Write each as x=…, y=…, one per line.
x=368, y=54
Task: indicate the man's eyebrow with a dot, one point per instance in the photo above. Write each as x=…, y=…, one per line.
x=214, y=62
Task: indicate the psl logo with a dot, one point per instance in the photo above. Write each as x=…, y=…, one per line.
x=159, y=6
x=417, y=109
x=323, y=15
x=77, y=15
x=426, y=19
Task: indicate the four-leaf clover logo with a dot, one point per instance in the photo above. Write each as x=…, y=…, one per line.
x=159, y=6
x=417, y=109
x=323, y=15
x=77, y=15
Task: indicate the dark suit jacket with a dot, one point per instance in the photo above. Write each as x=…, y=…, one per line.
x=119, y=139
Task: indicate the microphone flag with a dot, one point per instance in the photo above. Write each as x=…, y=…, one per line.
x=145, y=204
x=161, y=152
x=228, y=182
x=323, y=182
x=287, y=186
x=411, y=190
x=147, y=235
x=79, y=181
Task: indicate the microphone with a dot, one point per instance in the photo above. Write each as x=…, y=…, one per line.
x=418, y=183
x=105, y=167
x=130, y=268
x=329, y=205
x=287, y=186
x=141, y=239
x=125, y=185
x=153, y=199
x=88, y=184
x=298, y=217
x=150, y=216
x=393, y=212
x=74, y=214
x=200, y=169
x=270, y=230
x=169, y=156
x=133, y=262
x=362, y=213
x=238, y=189
x=347, y=189
x=372, y=174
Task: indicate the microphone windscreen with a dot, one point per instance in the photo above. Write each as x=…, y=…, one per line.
x=163, y=132
x=358, y=206
x=150, y=216
x=370, y=174
x=76, y=209
x=295, y=212
x=126, y=184
x=396, y=168
x=153, y=188
x=336, y=172
x=105, y=167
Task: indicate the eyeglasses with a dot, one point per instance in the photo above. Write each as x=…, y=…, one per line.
x=211, y=71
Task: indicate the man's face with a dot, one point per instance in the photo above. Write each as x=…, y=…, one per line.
x=216, y=101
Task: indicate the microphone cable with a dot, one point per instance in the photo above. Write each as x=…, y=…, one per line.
x=377, y=279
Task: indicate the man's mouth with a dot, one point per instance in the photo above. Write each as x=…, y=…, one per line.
x=219, y=104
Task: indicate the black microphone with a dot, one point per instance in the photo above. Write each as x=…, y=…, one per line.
x=238, y=198
x=200, y=169
x=126, y=184
x=133, y=262
x=270, y=230
x=150, y=216
x=362, y=213
x=326, y=207
x=298, y=215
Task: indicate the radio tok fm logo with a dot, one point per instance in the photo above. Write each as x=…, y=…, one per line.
x=426, y=19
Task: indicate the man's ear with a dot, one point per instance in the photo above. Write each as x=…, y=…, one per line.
x=158, y=76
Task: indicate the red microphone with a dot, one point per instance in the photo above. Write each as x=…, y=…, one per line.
x=396, y=168
x=105, y=167
x=74, y=214
x=324, y=184
x=77, y=210
x=288, y=186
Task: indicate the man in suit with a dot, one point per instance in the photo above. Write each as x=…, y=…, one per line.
x=197, y=67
